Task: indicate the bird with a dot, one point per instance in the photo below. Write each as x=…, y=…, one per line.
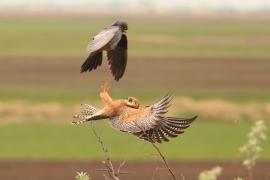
x=148, y=123
x=113, y=40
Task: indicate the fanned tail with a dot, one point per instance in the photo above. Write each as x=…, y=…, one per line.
x=86, y=111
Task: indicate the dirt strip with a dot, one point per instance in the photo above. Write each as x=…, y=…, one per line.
x=65, y=170
x=141, y=72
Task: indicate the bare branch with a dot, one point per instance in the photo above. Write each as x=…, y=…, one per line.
x=164, y=161
x=107, y=162
x=120, y=167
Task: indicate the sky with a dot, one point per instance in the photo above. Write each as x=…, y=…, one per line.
x=134, y=6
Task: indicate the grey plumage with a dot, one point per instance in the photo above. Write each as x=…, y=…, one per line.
x=114, y=41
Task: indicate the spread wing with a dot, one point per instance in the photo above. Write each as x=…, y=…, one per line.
x=117, y=58
x=169, y=127
x=102, y=39
x=95, y=47
x=150, y=123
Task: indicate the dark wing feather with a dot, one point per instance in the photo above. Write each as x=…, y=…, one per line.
x=117, y=58
x=164, y=127
x=95, y=47
x=165, y=130
x=92, y=62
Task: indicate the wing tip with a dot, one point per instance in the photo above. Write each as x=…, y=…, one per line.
x=117, y=78
x=83, y=70
x=193, y=118
x=92, y=62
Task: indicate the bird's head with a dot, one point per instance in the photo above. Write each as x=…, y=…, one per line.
x=122, y=24
x=133, y=102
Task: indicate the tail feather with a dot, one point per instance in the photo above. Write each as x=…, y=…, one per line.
x=86, y=111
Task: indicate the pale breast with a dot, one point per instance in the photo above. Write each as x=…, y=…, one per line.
x=131, y=114
x=130, y=119
x=114, y=108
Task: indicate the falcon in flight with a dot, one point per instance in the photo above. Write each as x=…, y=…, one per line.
x=148, y=123
x=113, y=40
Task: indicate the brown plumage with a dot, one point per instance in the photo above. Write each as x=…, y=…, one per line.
x=148, y=123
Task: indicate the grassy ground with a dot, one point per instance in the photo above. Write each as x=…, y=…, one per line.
x=42, y=138
x=202, y=141
x=175, y=38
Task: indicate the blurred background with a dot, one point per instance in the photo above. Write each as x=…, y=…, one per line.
x=214, y=56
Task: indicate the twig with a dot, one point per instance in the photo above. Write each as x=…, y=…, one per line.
x=120, y=167
x=108, y=163
x=164, y=160
x=159, y=152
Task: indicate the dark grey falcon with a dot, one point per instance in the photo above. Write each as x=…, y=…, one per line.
x=113, y=40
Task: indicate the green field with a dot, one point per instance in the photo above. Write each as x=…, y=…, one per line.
x=156, y=38
x=49, y=141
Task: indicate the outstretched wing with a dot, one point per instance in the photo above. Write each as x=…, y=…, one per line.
x=150, y=123
x=169, y=127
x=117, y=58
x=102, y=39
x=95, y=47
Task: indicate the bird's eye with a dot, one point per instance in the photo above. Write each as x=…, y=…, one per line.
x=129, y=99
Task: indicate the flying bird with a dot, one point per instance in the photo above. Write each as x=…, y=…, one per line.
x=148, y=123
x=113, y=40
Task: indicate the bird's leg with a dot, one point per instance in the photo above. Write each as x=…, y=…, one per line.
x=104, y=95
x=97, y=116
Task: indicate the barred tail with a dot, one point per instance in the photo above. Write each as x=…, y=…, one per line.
x=86, y=111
